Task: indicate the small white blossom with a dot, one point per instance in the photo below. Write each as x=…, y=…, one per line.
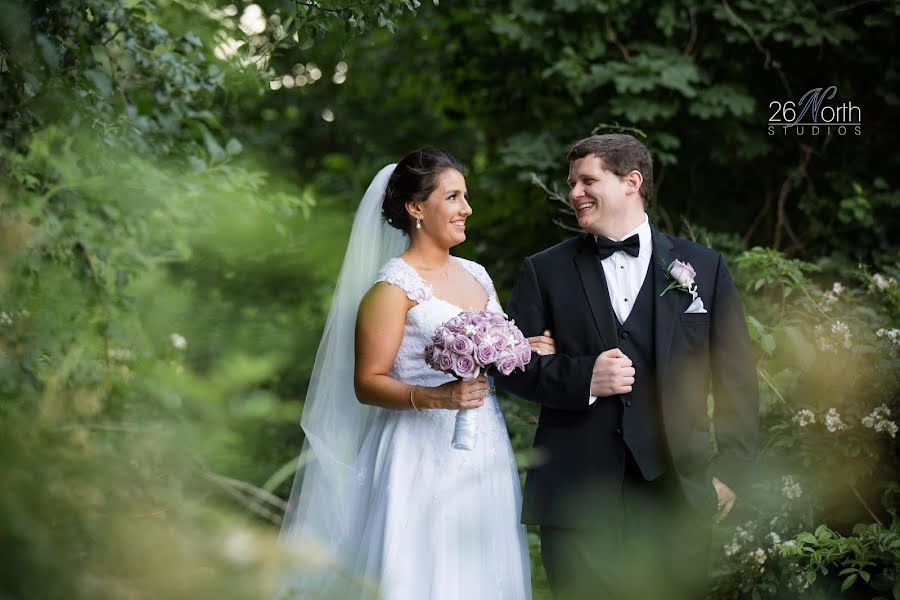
x=893, y=335
x=120, y=354
x=804, y=417
x=759, y=555
x=732, y=548
x=837, y=288
x=789, y=543
x=828, y=339
x=841, y=333
x=790, y=488
x=239, y=547
x=833, y=421
x=823, y=341
x=878, y=420
x=776, y=539
x=5, y=319
x=178, y=341
x=882, y=282
x=885, y=426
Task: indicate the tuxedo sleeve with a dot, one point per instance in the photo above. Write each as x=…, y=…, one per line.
x=559, y=381
x=734, y=384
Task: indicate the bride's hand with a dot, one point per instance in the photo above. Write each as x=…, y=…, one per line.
x=542, y=345
x=457, y=395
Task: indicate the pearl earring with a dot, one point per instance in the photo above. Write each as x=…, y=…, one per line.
x=418, y=223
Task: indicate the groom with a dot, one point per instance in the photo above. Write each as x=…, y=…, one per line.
x=629, y=480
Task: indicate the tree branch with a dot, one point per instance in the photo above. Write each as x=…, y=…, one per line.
x=769, y=60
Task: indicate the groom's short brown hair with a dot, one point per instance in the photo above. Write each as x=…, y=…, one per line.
x=621, y=154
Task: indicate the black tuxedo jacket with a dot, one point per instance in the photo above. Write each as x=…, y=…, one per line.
x=563, y=289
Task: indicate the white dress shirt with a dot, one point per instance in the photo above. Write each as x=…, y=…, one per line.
x=625, y=274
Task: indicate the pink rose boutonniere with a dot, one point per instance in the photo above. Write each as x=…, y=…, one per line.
x=681, y=277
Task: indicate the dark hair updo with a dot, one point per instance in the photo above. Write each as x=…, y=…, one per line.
x=414, y=178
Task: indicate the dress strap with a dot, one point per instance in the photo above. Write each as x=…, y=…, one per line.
x=398, y=272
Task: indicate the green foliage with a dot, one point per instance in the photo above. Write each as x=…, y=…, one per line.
x=871, y=549
x=178, y=179
x=830, y=390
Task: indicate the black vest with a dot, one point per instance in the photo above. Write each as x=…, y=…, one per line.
x=641, y=415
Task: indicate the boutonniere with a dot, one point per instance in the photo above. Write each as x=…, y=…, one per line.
x=681, y=277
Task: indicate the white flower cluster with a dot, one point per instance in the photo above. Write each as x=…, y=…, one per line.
x=893, y=335
x=878, y=420
x=790, y=488
x=833, y=294
x=178, y=341
x=828, y=339
x=8, y=318
x=741, y=536
x=833, y=421
x=804, y=417
x=759, y=555
x=881, y=282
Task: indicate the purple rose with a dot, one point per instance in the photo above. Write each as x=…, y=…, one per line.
x=445, y=361
x=485, y=354
x=506, y=363
x=524, y=355
x=464, y=366
x=455, y=325
x=482, y=327
x=682, y=272
x=447, y=340
x=501, y=340
x=435, y=355
x=462, y=345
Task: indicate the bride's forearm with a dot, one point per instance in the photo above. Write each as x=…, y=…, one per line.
x=387, y=392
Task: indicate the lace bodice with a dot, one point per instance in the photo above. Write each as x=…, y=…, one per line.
x=429, y=313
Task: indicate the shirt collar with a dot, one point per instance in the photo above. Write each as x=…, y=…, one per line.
x=643, y=232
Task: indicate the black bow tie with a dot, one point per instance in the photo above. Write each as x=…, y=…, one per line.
x=606, y=247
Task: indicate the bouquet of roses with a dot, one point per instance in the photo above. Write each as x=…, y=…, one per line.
x=471, y=343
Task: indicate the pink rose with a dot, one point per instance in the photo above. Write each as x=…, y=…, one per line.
x=500, y=342
x=524, y=355
x=447, y=340
x=682, y=272
x=464, y=366
x=506, y=363
x=455, y=325
x=462, y=345
x=445, y=361
x=485, y=354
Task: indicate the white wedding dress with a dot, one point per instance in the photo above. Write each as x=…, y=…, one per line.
x=382, y=506
x=432, y=522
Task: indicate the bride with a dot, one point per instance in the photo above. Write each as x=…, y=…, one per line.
x=382, y=505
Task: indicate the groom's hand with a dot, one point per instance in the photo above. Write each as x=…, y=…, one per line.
x=613, y=374
x=726, y=498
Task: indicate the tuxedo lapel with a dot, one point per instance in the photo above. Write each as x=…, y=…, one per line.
x=670, y=306
x=594, y=283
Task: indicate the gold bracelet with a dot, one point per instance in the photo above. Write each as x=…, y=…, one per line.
x=416, y=408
